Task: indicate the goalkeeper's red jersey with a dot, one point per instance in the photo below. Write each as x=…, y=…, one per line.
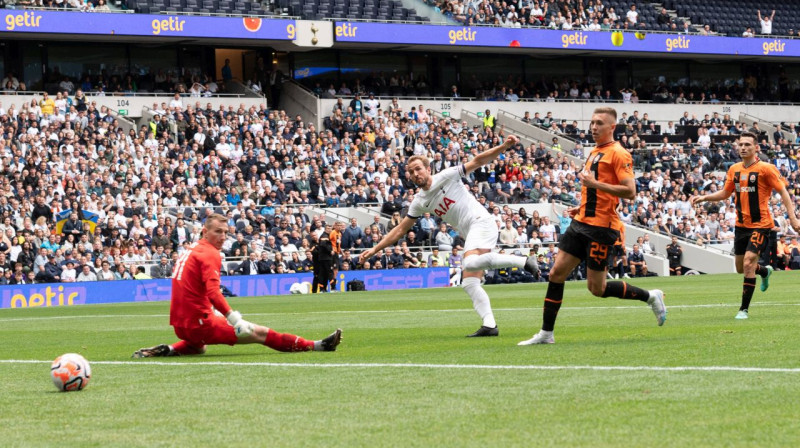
x=195, y=286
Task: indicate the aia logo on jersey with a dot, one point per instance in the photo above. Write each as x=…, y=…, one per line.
x=443, y=206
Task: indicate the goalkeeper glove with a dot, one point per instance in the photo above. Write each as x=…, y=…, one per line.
x=243, y=328
x=234, y=317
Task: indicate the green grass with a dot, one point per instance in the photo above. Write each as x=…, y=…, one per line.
x=293, y=400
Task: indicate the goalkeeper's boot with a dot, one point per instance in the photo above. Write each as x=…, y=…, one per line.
x=542, y=337
x=485, y=331
x=329, y=343
x=152, y=352
x=656, y=302
x=765, y=279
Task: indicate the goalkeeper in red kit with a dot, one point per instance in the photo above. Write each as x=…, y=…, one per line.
x=200, y=314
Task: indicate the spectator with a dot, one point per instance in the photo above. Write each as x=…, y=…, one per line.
x=674, y=255
x=227, y=72
x=69, y=274
x=632, y=16
x=636, y=262
x=427, y=226
x=663, y=17
x=105, y=273
x=140, y=274
x=443, y=240
x=50, y=272
x=87, y=275
x=163, y=269
x=352, y=235
x=766, y=22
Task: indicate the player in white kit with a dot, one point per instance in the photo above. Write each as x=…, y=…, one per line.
x=448, y=198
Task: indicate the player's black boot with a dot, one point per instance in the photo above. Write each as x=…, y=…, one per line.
x=485, y=331
x=329, y=344
x=152, y=352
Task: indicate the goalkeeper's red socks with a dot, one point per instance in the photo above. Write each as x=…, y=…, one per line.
x=184, y=348
x=285, y=342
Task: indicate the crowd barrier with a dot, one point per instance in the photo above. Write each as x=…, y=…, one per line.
x=126, y=291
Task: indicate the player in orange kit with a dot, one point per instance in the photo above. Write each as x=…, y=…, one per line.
x=200, y=314
x=606, y=177
x=752, y=181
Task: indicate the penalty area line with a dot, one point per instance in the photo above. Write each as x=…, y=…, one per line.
x=429, y=366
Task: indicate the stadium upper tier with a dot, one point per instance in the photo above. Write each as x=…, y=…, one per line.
x=733, y=18
x=691, y=16
x=198, y=6
x=381, y=10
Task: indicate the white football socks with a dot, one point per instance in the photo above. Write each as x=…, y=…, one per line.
x=480, y=300
x=492, y=260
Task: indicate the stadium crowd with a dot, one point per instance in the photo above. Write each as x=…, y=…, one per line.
x=136, y=198
x=72, y=5
x=611, y=15
x=117, y=83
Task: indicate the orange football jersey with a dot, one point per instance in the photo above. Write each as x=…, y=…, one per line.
x=752, y=187
x=611, y=164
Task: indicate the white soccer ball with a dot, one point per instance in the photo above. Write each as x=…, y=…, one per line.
x=70, y=372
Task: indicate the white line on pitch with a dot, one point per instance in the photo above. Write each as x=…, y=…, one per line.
x=461, y=310
x=431, y=366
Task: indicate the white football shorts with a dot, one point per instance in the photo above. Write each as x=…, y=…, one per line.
x=482, y=234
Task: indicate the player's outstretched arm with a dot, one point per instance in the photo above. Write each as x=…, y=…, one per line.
x=491, y=154
x=789, y=204
x=718, y=196
x=405, y=225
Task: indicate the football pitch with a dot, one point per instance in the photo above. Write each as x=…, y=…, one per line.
x=405, y=375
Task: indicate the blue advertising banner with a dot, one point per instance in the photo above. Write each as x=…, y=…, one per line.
x=389, y=33
x=122, y=291
x=65, y=22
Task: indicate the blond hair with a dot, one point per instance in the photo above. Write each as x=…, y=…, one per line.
x=606, y=110
x=215, y=217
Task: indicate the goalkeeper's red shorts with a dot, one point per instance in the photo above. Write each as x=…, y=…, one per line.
x=210, y=331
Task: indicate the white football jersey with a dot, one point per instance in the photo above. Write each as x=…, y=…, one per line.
x=449, y=199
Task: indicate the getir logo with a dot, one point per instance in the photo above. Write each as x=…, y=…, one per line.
x=346, y=30
x=462, y=35
x=776, y=46
x=43, y=298
x=678, y=43
x=171, y=24
x=24, y=20
x=573, y=39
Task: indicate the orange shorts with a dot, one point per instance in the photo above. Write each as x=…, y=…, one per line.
x=211, y=331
